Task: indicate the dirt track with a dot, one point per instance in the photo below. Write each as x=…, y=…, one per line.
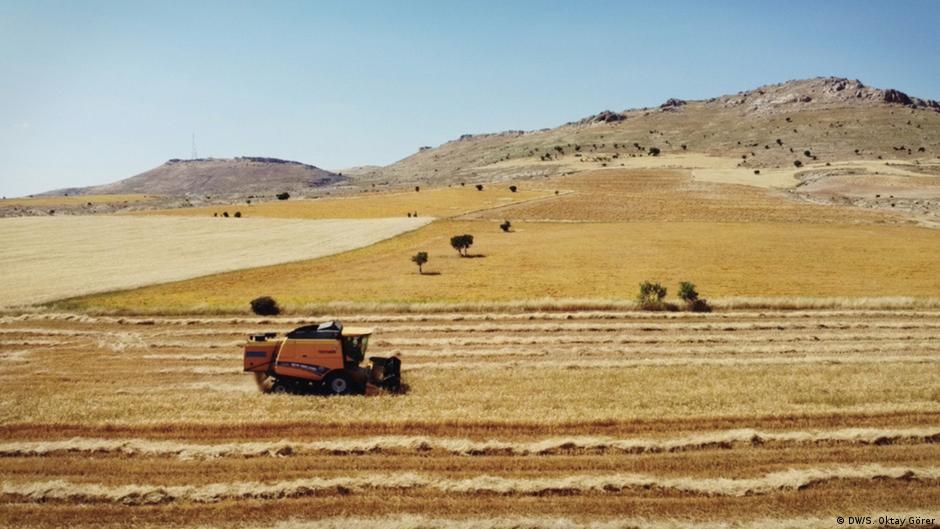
x=776, y=419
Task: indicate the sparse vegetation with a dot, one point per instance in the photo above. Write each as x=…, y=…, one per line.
x=420, y=259
x=265, y=306
x=462, y=243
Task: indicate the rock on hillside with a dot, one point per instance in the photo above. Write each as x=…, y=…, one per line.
x=231, y=176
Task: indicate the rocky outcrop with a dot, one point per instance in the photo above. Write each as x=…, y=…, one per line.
x=672, y=104
x=897, y=97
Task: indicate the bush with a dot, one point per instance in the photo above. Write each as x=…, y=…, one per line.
x=420, y=259
x=238, y=214
x=654, y=151
x=513, y=188
x=283, y=196
x=700, y=305
x=797, y=163
x=462, y=243
x=506, y=226
x=417, y=188
x=479, y=187
x=265, y=306
x=687, y=292
x=807, y=154
x=225, y=214
x=651, y=295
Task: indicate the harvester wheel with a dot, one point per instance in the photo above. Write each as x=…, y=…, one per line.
x=338, y=384
x=280, y=387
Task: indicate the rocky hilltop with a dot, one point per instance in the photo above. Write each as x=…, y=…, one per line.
x=831, y=118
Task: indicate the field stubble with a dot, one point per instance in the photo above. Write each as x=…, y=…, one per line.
x=756, y=417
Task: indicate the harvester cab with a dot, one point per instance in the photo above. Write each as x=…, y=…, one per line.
x=320, y=358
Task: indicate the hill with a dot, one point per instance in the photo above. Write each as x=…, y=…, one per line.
x=771, y=127
x=214, y=176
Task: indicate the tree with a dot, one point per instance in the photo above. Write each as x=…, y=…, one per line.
x=238, y=214
x=513, y=188
x=225, y=214
x=420, y=259
x=797, y=163
x=417, y=188
x=283, y=196
x=462, y=243
x=654, y=151
x=651, y=294
x=687, y=292
x=506, y=226
x=265, y=306
x=479, y=187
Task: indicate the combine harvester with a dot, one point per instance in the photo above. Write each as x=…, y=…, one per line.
x=323, y=359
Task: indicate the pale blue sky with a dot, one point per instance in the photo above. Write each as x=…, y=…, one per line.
x=92, y=92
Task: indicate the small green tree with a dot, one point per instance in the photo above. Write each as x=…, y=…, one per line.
x=420, y=259
x=687, y=292
x=651, y=294
x=462, y=243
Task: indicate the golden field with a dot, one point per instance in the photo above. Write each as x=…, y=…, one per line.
x=579, y=260
x=437, y=202
x=771, y=418
x=74, y=200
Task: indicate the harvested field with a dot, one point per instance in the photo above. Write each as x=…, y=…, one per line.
x=599, y=418
x=54, y=257
x=671, y=195
x=582, y=260
x=436, y=202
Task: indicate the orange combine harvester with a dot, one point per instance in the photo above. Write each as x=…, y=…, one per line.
x=324, y=358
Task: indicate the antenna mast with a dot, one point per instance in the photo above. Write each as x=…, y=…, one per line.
x=194, y=154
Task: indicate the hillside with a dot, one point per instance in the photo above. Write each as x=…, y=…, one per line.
x=213, y=176
x=810, y=121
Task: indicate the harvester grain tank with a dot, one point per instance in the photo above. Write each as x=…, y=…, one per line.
x=320, y=358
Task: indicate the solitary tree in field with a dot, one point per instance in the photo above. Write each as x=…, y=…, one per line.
x=461, y=243
x=479, y=187
x=420, y=259
x=687, y=292
x=513, y=188
x=651, y=294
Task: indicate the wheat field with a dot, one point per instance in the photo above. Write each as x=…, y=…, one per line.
x=55, y=257
x=600, y=418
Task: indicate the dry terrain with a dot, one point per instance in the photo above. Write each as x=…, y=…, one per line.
x=512, y=419
x=605, y=232
x=54, y=257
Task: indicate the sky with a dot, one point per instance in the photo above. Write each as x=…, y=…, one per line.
x=95, y=91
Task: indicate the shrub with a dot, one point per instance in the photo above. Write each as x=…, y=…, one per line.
x=687, y=292
x=513, y=188
x=417, y=188
x=797, y=163
x=283, y=196
x=651, y=295
x=506, y=226
x=654, y=151
x=700, y=305
x=215, y=214
x=265, y=306
x=479, y=187
x=756, y=171
x=462, y=243
x=225, y=214
x=420, y=259
x=238, y=214
x=807, y=154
